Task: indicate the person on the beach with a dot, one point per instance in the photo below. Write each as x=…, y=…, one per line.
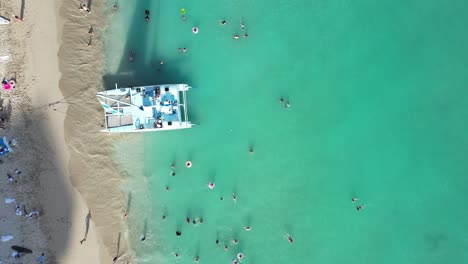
x=236, y=37
x=196, y=258
x=18, y=18
x=91, y=31
x=90, y=40
x=82, y=240
x=131, y=56
x=247, y=228
x=354, y=200
x=10, y=178
x=41, y=259
x=223, y=22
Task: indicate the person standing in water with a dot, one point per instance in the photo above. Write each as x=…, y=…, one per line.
x=234, y=197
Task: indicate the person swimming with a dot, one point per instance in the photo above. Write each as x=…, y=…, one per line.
x=235, y=241
x=163, y=217
x=187, y=219
x=173, y=163
x=234, y=197
x=131, y=56
x=236, y=37
x=217, y=241
x=354, y=200
x=246, y=35
x=167, y=188
x=247, y=228
x=226, y=247
x=360, y=207
x=223, y=22
x=290, y=239
x=178, y=233
x=196, y=258
x=287, y=104
x=201, y=220
x=281, y=100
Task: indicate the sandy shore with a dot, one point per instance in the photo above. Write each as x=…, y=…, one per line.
x=37, y=121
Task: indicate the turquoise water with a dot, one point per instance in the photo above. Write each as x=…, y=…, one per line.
x=377, y=92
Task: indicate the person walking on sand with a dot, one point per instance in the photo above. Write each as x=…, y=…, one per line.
x=91, y=31
x=41, y=259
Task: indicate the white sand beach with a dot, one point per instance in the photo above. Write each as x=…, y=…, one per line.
x=36, y=117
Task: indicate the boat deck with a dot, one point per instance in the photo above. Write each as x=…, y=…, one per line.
x=135, y=109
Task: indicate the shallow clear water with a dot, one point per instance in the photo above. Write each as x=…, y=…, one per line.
x=377, y=92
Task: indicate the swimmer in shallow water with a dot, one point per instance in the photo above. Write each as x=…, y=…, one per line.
x=247, y=228
x=289, y=238
x=131, y=56
x=354, y=200
x=223, y=22
x=236, y=37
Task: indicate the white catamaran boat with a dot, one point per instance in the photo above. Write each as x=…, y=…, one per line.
x=145, y=108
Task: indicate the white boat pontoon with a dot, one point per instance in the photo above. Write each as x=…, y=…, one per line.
x=145, y=108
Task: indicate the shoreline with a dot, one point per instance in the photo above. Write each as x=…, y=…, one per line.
x=92, y=170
